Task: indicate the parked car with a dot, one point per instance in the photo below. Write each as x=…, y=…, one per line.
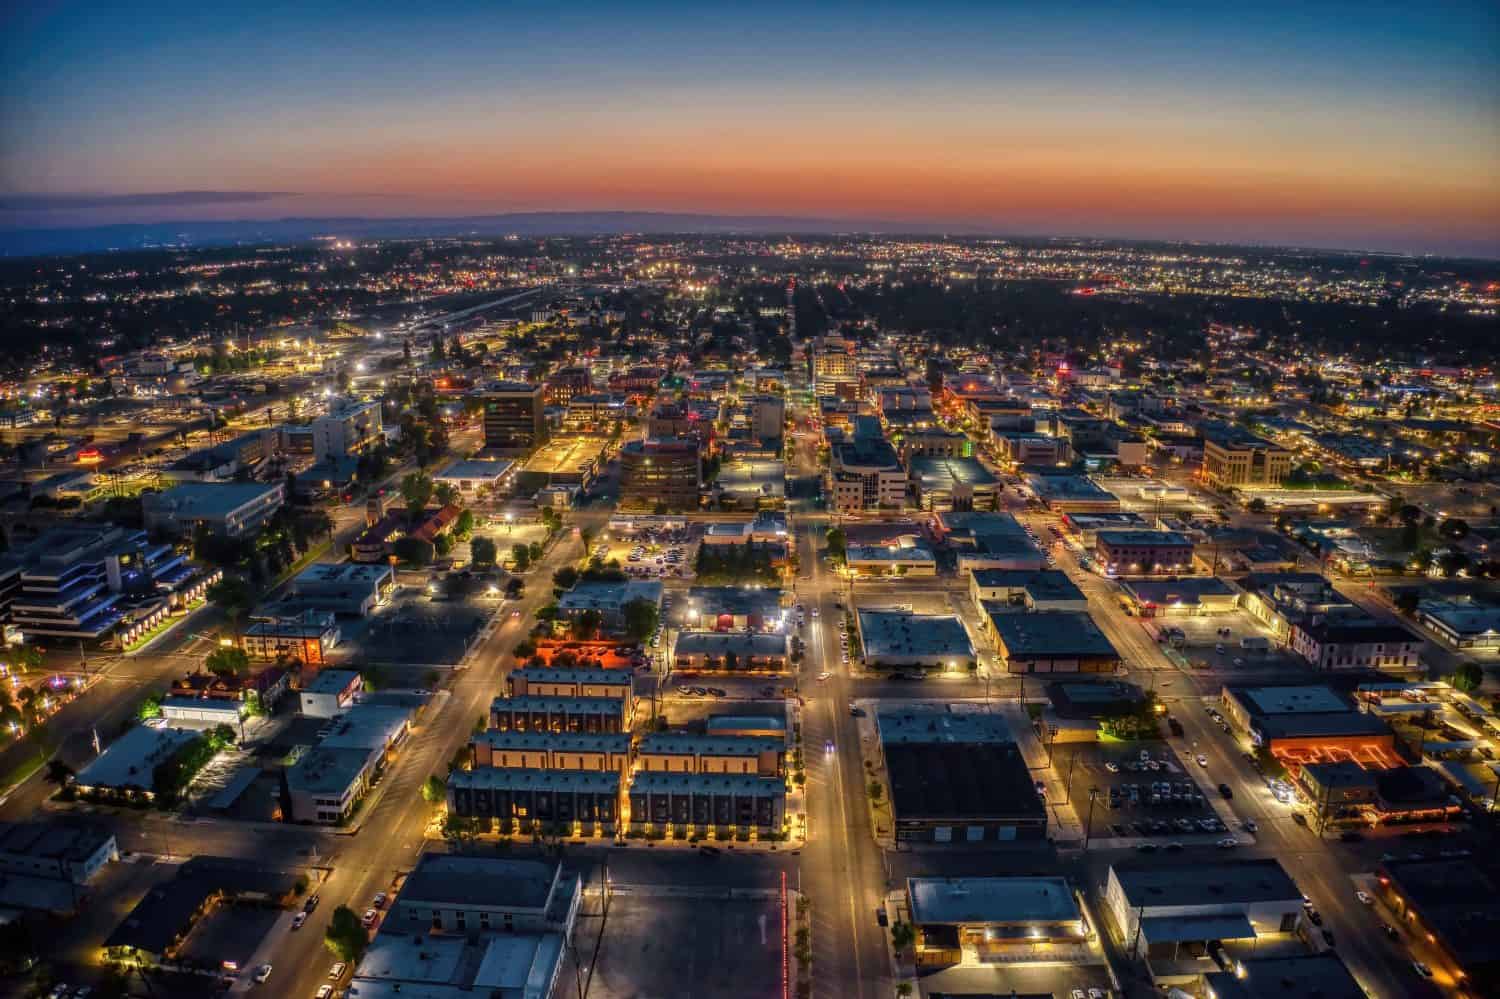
x=1226, y=791
x=368, y=919
x=1421, y=969
x=337, y=971
x=1364, y=897
x=298, y=920
x=263, y=973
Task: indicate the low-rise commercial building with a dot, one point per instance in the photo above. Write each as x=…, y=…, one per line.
x=228, y=509
x=1308, y=724
x=1086, y=526
x=731, y=651
x=57, y=850
x=608, y=599
x=1463, y=623
x=1047, y=590
x=687, y=752
x=1323, y=975
x=1072, y=494
x=1189, y=596
x=1135, y=553
x=127, y=767
x=995, y=920
x=734, y=608
x=572, y=461
x=953, y=484
x=307, y=637
x=898, y=637
x=328, y=781
x=330, y=693
x=907, y=556
x=1051, y=642
x=349, y=588
x=1455, y=905
x=720, y=805
x=1166, y=911
x=865, y=474
x=987, y=541
x=473, y=477
x=1356, y=642
x=956, y=793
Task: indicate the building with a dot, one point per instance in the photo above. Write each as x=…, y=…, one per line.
x=70, y=581
x=1347, y=793
x=1359, y=642
x=1086, y=526
x=1047, y=590
x=995, y=920
x=1051, y=642
x=306, y=637
x=467, y=926
x=330, y=693
x=348, y=428
x=1463, y=623
x=608, y=599
x=514, y=416
x=941, y=483
x=907, y=556
x=897, y=637
x=834, y=364
x=1033, y=449
x=734, y=608
x=471, y=478
x=574, y=462
x=1190, y=596
x=552, y=750
x=566, y=383
x=932, y=442
x=1134, y=553
x=1309, y=724
x=1068, y=493
x=228, y=509
x=731, y=651
x=1167, y=911
x=718, y=805
x=570, y=681
x=747, y=725
x=767, y=418
x=561, y=714
x=56, y=850
x=865, y=474
x=751, y=483
x=328, y=781
x=1232, y=459
x=1323, y=975
x=987, y=541
x=933, y=725
x=1455, y=904
x=126, y=768
x=349, y=588
x=961, y=792
x=687, y=752
x=664, y=472
x=579, y=802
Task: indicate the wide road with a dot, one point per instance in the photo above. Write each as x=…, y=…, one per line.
x=391, y=834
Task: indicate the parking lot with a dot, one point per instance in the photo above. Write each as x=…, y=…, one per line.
x=662, y=555
x=415, y=629
x=693, y=948
x=1213, y=642
x=1151, y=795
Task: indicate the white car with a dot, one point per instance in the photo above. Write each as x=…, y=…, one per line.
x=368, y=919
x=1202, y=760
x=1421, y=969
x=1112, y=767
x=1364, y=897
x=324, y=992
x=824, y=676
x=298, y=920
x=335, y=972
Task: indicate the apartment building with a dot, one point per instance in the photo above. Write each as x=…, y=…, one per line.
x=1233, y=460
x=348, y=427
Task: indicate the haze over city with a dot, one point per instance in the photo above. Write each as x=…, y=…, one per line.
x=1335, y=125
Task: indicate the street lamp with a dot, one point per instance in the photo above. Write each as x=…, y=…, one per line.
x=1088, y=826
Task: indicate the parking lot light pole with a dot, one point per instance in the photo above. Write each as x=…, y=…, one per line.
x=1088, y=825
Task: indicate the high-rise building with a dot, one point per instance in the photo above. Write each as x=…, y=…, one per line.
x=661, y=471
x=347, y=428
x=513, y=416
x=833, y=365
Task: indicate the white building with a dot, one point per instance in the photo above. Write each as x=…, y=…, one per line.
x=347, y=428
x=228, y=509
x=330, y=693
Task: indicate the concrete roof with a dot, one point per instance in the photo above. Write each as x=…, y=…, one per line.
x=446, y=878
x=942, y=724
x=1206, y=882
x=897, y=632
x=1051, y=633
x=132, y=757
x=1323, y=975
x=656, y=781
x=718, y=643
x=535, y=779
x=991, y=900
x=1291, y=700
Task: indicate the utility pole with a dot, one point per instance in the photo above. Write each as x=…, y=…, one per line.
x=1088, y=826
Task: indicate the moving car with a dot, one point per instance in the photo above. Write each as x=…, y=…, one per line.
x=298, y=920
x=263, y=973
x=1202, y=760
x=337, y=971
x=1364, y=897
x=1421, y=969
x=1226, y=791
x=368, y=919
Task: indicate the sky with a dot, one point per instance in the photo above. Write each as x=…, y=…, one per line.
x=1362, y=126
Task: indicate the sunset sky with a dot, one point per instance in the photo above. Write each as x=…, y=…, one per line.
x=1359, y=125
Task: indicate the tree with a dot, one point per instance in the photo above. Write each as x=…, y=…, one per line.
x=1407, y=601
x=434, y=790
x=446, y=493
x=416, y=490
x=641, y=618
x=443, y=544
x=1468, y=678
x=877, y=791
x=25, y=658
x=459, y=830
x=587, y=624
x=1454, y=529
x=345, y=937
x=1409, y=514
x=483, y=551
x=234, y=597
x=1256, y=505
x=150, y=707
x=566, y=577
x=463, y=525
x=902, y=935
x=413, y=551
x=58, y=772
x=838, y=545
x=521, y=554
x=227, y=661
x=535, y=551
x=1452, y=563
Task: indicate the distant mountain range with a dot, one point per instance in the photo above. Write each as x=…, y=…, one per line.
x=19, y=242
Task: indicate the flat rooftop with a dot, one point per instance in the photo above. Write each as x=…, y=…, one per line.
x=1186, y=592
x=1051, y=633
x=718, y=643
x=132, y=757
x=1155, y=539
x=1068, y=487
x=469, y=469
x=991, y=900
x=210, y=499
x=924, y=725
x=330, y=681
x=571, y=742
x=736, y=600
x=1291, y=700
x=332, y=573
x=1204, y=881
x=574, y=674
x=692, y=744
x=749, y=785
x=566, y=454
x=1323, y=975
x=447, y=878
x=897, y=632
x=1043, y=584
x=889, y=553
x=946, y=781
x=940, y=473
x=536, y=779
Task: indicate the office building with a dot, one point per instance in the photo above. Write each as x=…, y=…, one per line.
x=865, y=474
x=56, y=849
x=996, y=920
x=514, y=416
x=1151, y=553
x=1050, y=642
x=330, y=693
x=348, y=428
x=661, y=472
x=228, y=509
x=1233, y=459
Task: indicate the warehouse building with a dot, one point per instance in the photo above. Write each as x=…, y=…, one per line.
x=1051, y=642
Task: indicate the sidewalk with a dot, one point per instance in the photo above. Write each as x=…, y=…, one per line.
x=1068, y=824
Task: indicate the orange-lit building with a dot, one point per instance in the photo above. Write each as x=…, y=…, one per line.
x=1309, y=724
